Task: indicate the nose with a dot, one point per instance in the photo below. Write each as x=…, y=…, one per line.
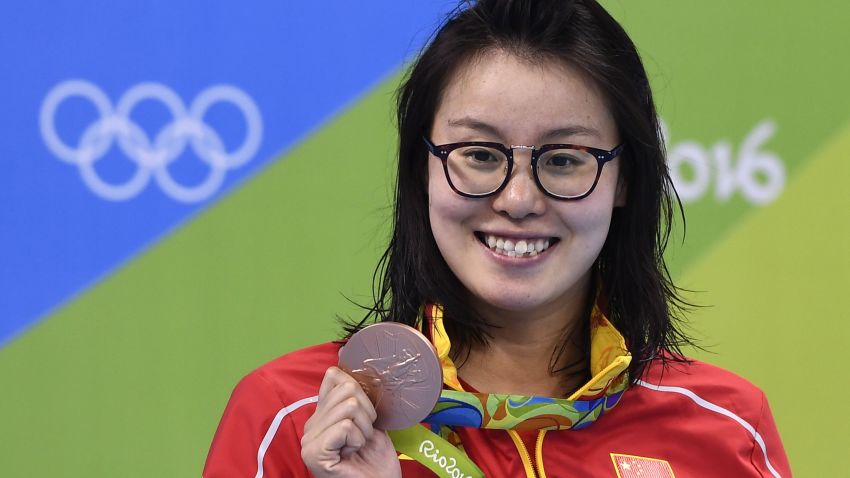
x=521, y=197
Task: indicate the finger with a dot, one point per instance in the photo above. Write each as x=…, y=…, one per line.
x=347, y=451
x=336, y=443
x=334, y=408
x=343, y=438
x=354, y=438
x=348, y=409
x=344, y=388
x=333, y=376
x=379, y=449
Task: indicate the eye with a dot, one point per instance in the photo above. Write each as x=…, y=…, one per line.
x=482, y=156
x=566, y=162
x=481, y=159
x=562, y=160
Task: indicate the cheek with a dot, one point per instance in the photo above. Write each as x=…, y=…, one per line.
x=612, y=184
x=589, y=223
x=445, y=209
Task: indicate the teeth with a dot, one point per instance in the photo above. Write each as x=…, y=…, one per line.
x=521, y=248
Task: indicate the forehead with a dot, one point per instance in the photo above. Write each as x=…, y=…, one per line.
x=523, y=99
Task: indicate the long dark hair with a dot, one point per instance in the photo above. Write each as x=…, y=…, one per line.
x=642, y=301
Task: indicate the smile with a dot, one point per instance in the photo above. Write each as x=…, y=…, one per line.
x=513, y=247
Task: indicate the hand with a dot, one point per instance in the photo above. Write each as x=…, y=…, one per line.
x=339, y=440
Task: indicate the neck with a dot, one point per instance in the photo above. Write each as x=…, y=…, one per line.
x=518, y=357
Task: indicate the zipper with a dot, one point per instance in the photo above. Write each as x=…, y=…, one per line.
x=538, y=454
x=527, y=463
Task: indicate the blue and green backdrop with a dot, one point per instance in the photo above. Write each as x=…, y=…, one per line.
x=190, y=189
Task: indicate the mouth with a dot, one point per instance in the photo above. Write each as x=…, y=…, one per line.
x=514, y=247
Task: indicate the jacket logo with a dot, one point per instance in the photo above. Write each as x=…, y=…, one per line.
x=630, y=466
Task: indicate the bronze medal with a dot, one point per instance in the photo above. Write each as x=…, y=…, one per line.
x=398, y=369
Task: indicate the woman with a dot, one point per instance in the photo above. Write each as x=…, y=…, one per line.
x=531, y=216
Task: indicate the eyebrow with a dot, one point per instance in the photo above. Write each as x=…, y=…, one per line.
x=481, y=126
x=474, y=124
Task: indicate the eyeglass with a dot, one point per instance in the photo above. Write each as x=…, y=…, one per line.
x=478, y=169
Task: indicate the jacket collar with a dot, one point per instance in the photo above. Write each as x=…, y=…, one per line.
x=609, y=357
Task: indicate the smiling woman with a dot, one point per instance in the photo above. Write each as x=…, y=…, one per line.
x=532, y=211
x=504, y=98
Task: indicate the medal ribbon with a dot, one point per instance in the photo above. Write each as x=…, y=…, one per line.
x=609, y=361
x=517, y=412
x=434, y=452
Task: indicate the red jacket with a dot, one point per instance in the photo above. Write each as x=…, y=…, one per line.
x=696, y=420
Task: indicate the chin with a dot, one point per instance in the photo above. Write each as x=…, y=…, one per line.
x=530, y=295
x=514, y=301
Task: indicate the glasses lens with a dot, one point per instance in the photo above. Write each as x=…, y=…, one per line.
x=567, y=172
x=477, y=169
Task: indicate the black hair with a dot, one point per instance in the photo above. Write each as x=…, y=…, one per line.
x=642, y=301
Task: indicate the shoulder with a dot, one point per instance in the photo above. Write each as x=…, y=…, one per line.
x=703, y=388
x=698, y=377
x=262, y=424
x=695, y=405
x=297, y=374
x=286, y=387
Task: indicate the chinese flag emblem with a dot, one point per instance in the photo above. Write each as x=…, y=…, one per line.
x=630, y=466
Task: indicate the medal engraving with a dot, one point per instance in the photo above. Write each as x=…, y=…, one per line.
x=398, y=369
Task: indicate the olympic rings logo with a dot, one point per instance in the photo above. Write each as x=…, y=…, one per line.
x=151, y=156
